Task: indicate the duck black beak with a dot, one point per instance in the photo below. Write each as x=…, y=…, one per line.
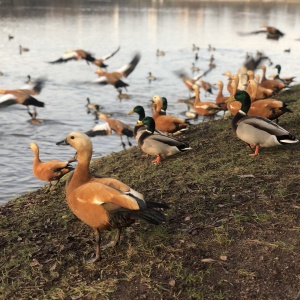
x=63, y=142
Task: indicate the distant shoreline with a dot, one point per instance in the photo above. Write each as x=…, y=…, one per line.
x=246, y=1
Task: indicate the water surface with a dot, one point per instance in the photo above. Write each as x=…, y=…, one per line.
x=50, y=28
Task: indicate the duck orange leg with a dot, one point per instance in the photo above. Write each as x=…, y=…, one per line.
x=157, y=160
x=256, y=151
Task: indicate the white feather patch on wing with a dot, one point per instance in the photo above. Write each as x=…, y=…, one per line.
x=69, y=55
x=95, y=201
x=204, y=106
x=136, y=194
x=7, y=97
x=100, y=79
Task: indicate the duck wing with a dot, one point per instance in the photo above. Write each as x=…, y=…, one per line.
x=7, y=100
x=127, y=69
x=264, y=124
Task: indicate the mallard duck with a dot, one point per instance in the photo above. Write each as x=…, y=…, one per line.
x=104, y=203
x=274, y=85
x=269, y=108
x=34, y=120
x=160, y=53
x=166, y=123
x=122, y=95
x=164, y=106
x=23, y=49
x=92, y=107
x=52, y=170
x=114, y=78
x=211, y=48
x=119, y=127
x=159, y=145
x=150, y=77
x=87, y=56
x=139, y=127
x=257, y=131
x=194, y=68
x=205, y=109
x=195, y=48
x=286, y=80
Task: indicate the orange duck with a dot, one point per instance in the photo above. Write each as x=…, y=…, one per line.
x=166, y=123
x=114, y=78
x=50, y=170
x=87, y=56
x=274, y=85
x=205, y=109
x=104, y=203
x=220, y=98
x=119, y=127
x=262, y=92
x=19, y=96
x=269, y=108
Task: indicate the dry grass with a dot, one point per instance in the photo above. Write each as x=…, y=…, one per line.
x=232, y=231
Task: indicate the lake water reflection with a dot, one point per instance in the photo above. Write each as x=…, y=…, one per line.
x=49, y=28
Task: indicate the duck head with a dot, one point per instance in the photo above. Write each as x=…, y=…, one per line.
x=80, y=142
x=244, y=98
x=138, y=110
x=149, y=123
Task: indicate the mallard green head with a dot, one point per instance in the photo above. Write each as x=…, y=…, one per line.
x=278, y=67
x=150, y=123
x=164, y=103
x=138, y=110
x=244, y=98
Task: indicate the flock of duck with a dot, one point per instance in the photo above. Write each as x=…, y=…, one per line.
x=106, y=203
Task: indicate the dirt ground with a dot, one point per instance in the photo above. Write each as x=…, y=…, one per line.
x=232, y=230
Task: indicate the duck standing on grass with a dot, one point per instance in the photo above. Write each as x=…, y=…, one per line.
x=168, y=124
x=50, y=170
x=159, y=145
x=257, y=131
x=104, y=203
x=119, y=127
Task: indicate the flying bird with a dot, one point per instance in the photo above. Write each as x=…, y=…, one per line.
x=270, y=31
x=114, y=78
x=82, y=54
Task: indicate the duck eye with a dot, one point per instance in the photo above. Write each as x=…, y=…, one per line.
x=72, y=137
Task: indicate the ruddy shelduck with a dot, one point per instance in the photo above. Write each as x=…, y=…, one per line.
x=52, y=170
x=104, y=203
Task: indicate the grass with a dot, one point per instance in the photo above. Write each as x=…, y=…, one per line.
x=232, y=230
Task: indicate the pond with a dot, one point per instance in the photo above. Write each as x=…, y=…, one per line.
x=50, y=28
